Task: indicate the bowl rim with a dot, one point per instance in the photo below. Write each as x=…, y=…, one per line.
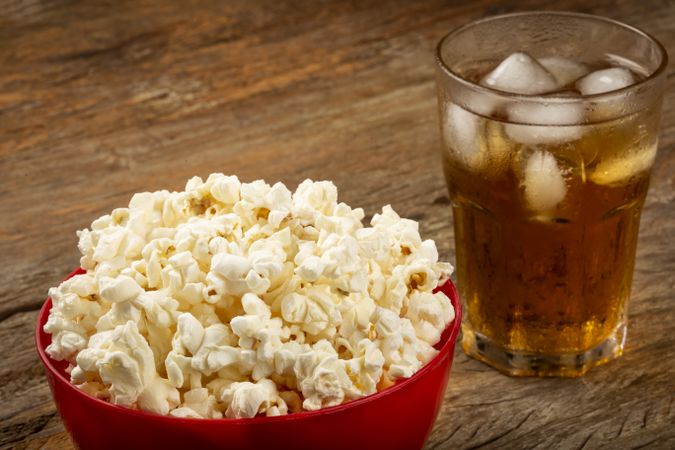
x=448, y=288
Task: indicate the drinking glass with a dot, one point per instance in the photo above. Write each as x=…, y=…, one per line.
x=547, y=189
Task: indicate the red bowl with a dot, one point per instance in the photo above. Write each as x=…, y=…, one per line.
x=399, y=417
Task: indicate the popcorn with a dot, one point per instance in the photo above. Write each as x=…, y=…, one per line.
x=248, y=399
x=124, y=361
x=429, y=313
x=234, y=275
x=315, y=310
x=235, y=299
x=198, y=404
x=189, y=334
x=226, y=189
x=356, y=311
x=119, y=290
x=365, y=368
x=321, y=375
x=217, y=351
x=159, y=397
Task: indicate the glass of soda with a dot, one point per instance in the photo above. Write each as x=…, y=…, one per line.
x=549, y=126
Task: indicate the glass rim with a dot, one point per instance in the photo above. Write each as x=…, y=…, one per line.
x=548, y=98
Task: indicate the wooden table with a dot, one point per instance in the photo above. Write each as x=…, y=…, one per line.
x=98, y=101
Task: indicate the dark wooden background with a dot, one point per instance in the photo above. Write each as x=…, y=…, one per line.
x=102, y=99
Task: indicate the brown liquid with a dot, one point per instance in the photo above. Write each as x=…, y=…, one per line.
x=553, y=281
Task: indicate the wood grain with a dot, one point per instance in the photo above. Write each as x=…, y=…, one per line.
x=102, y=99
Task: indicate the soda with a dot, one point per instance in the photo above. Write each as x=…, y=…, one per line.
x=546, y=202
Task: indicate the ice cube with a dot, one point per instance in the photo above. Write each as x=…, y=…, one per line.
x=605, y=80
x=622, y=167
x=555, y=123
x=519, y=73
x=564, y=70
x=544, y=183
x=461, y=134
x=481, y=104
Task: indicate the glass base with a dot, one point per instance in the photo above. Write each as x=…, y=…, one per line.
x=526, y=364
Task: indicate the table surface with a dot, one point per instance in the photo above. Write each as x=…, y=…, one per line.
x=100, y=100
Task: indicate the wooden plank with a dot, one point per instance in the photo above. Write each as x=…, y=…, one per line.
x=98, y=101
